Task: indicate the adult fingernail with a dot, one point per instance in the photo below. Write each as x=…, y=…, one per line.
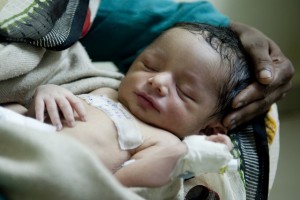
x=233, y=124
x=265, y=74
x=238, y=105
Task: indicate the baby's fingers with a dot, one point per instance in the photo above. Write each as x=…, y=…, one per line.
x=78, y=107
x=39, y=109
x=53, y=113
x=67, y=111
x=220, y=138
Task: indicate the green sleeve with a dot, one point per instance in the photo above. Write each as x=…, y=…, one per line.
x=123, y=27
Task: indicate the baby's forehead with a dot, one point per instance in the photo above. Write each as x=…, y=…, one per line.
x=178, y=31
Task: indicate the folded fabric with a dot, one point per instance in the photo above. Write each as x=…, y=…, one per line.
x=70, y=68
x=37, y=165
x=53, y=24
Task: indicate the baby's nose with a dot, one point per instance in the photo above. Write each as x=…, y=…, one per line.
x=161, y=83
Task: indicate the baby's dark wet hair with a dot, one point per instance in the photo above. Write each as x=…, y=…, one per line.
x=227, y=44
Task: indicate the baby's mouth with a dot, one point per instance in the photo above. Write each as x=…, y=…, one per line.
x=147, y=101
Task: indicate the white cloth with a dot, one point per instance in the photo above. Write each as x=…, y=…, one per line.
x=35, y=165
x=8, y=116
x=203, y=156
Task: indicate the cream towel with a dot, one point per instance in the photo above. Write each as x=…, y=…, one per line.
x=38, y=165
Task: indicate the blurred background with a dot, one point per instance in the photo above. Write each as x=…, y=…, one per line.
x=280, y=21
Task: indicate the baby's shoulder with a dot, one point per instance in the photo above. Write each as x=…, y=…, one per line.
x=108, y=92
x=159, y=137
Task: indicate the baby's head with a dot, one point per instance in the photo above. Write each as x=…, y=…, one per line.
x=185, y=80
x=234, y=63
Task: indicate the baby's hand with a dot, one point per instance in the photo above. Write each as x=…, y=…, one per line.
x=53, y=98
x=203, y=155
x=220, y=138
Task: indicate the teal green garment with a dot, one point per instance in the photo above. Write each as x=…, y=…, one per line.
x=123, y=27
x=1, y=197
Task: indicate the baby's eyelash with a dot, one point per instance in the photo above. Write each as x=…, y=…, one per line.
x=183, y=94
x=150, y=68
x=180, y=92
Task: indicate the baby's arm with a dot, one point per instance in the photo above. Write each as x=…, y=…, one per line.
x=153, y=165
x=53, y=98
x=157, y=165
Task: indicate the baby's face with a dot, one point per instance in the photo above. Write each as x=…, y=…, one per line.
x=171, y=84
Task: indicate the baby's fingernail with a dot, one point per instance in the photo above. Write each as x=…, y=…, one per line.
x=58, y=127
x=265, y=74
x=83, y=119
x=71, y=123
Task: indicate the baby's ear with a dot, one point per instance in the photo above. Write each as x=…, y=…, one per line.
x=213, y=129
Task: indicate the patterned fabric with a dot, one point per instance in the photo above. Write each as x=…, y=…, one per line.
x=272, y=123
x=53, y=24
x=254, y=168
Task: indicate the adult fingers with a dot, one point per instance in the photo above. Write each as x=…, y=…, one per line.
x=256, y=91
x=284, y=71
x=251, y=110
x=258, y=50
x=244, y=114
x=252, y=93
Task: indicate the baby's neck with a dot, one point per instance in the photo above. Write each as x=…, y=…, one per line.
x=108, y=92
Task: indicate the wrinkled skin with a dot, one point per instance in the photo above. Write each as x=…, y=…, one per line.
x=274, y=73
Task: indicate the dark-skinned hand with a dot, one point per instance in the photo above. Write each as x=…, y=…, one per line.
x=273, y=76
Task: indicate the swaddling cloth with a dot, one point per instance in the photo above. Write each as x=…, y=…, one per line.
x=129, y=136
x=204, y=156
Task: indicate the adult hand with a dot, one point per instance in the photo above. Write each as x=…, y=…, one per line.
x=273, y=76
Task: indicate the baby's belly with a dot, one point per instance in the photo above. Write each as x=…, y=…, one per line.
x=99, y=134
